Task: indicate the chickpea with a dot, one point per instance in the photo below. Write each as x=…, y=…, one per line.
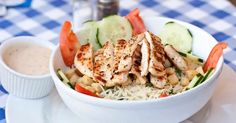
x=69, y=73
x=97, y=87
x=74, y=78
x=190, y=74
x=78, y=73
x=87, y=80
x=184, y=81
x=90, y=88
x=199, y=70
x=178, y=88
x=170, y=70
x=173, y=79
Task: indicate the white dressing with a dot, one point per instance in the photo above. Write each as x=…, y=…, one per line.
x=29, y=59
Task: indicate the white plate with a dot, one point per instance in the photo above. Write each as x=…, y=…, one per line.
x=220, y=109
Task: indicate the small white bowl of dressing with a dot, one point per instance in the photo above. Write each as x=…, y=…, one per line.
x=24, y=67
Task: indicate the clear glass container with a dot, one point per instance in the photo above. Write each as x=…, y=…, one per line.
x=82, y=12
x=85, y=10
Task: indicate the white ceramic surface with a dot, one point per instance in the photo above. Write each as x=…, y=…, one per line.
x=51, y=109
x=167, y=110
x=21, y=85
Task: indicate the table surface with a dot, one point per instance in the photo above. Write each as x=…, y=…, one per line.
x=44, y=18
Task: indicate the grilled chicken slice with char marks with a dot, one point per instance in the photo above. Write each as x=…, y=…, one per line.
x=123, y=58
x=122, y=62
x=137, y=56
x=145, y=50
x=156, y=68
x=176, y=58
x=84, y=60
x=104, y=64
x=127, y=51
x=119, y=78
x=134, y=42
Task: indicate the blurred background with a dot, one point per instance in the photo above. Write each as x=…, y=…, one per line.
x=43, y=18
x=233, y=2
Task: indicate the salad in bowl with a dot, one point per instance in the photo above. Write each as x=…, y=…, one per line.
x=135, y=63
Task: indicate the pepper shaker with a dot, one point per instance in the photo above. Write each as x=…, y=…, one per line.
x=106, y=8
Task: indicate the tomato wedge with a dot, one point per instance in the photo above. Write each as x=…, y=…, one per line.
x=214, y=56
x=136, y=22
x=80, y=89
x=163, y=95
x=69, y=44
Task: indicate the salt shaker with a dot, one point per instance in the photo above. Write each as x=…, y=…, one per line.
x=3, y=8
x=82, y=12
x=106, y=8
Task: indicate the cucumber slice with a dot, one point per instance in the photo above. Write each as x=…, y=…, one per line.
x=88, y=34
x=199, y=81
x=196, y=79
x=208, y=74
x=113, y=28
x=203, y=78
x=63, y=78
x=178, y=36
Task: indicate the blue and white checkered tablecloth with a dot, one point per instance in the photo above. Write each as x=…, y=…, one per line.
x=44, y=19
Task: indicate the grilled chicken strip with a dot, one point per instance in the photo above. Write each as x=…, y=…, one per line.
x=157, y=55
x=157, y=60
x=84, y=60
x=122, y=62
x=133, y=42
x=145, y=50
x=123, y=58
x=175, y=57
x=119, y=78
x=124, y=51
x=137, y=56
x=104, y=64
x=131, y=45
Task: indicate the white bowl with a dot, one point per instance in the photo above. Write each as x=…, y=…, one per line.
x=21, y=85
x=171, y=109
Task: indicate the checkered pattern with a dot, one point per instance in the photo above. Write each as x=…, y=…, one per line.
x=43, y=19
x=216, y=17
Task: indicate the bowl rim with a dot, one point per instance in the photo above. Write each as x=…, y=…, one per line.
x=18, y=39
x=95, y=100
